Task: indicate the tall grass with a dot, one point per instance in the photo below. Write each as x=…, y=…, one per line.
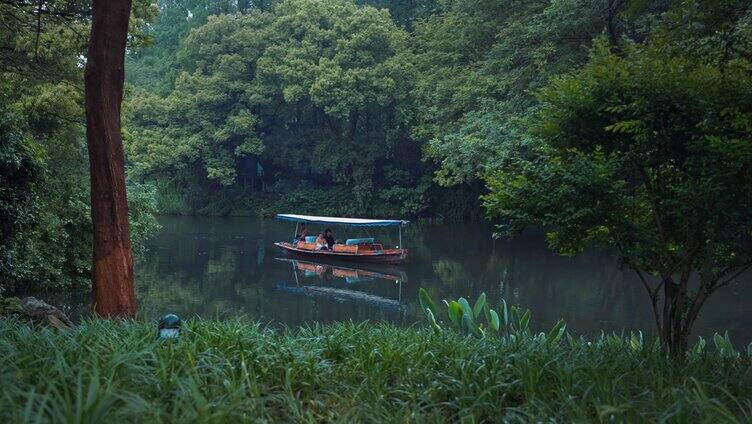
x=236, y=370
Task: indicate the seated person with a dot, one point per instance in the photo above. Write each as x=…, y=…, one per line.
x=329, y=237
x=302, y=233
x=321, y=243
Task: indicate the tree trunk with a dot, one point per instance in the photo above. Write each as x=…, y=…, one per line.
x=112, y=270
x=675, y=327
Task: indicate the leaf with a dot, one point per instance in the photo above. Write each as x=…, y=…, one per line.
x=425, y=301
x=525, y=320
x=628, y=126
x=635, y=343
x=470, y=326
x=454, y=310
x=699, y=347
x=479, y=304
x=432, y=319
x=466, y=310
x=494, y=320
x=514, y=316
x=724, y=346
x=556, y=332
x=718, y=341
x=504, y=313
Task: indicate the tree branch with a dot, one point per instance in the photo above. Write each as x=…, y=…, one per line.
x=653, y=293
x=728, y=281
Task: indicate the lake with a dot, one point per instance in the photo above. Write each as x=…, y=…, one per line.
x=219, y=267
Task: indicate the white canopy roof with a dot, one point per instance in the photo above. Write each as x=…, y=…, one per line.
x=354, y=222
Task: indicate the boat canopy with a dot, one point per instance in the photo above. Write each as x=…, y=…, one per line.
x=353, y=222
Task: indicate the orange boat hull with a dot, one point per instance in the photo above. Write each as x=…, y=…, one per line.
x=385, y=256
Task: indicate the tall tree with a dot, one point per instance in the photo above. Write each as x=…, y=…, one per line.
x=112, y=270
x=647, y=152
x=316, y=91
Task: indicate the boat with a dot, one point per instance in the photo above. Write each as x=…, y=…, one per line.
x=357, y=249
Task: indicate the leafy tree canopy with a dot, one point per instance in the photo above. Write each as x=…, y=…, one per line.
x=42, y=44
x=310, y=87
x=479, y=64
x=647, y=150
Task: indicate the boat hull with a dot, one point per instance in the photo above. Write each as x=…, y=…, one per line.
x=386, y=256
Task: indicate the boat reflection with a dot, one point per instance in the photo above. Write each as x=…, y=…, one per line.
x=328, y=275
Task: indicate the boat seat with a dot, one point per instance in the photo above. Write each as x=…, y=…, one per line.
x=342, y=248
x=305, y=246
x=356, y=241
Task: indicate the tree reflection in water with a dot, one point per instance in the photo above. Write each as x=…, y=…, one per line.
x=218, y=267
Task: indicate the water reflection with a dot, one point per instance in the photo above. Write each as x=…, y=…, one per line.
x=218, y=267
x=345, y=284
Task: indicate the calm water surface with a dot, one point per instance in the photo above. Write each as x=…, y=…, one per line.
x=217, y=267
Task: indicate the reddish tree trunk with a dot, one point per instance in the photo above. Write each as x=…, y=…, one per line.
x=105, y=71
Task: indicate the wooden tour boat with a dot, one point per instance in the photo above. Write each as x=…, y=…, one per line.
x=362, y=250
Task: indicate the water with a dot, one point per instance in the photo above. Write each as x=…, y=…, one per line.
x=218, y=267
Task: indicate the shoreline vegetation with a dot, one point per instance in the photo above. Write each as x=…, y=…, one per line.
x=240, y=370
x=626, y=126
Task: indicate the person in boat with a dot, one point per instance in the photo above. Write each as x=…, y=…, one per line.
x=302, y=233
x=329, y=237
x=321, y=243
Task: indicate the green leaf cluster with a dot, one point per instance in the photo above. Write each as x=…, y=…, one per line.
x=466, y=318
x=46, y=240
x=479, y=64
x=647, y=150
x=311, y=90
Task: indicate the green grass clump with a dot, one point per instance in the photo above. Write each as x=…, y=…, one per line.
x=240, y=371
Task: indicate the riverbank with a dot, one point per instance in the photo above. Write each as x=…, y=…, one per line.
x=237, y=370
x=444, y=204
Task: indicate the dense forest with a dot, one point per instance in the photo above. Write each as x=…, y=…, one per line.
x=333, y=107
x=607, y=122
x=45, y=224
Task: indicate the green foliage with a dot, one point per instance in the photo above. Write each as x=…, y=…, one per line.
x=478, y=64
x=155, y=68
x=648, y=151
x=19, y=168
x=142, y=210
x=311, y=90
x=43, y=136
x=724, y=346
x=237, y=371
x=406, y=13
x=317, y=93
x=426, y=303
x=465, y=317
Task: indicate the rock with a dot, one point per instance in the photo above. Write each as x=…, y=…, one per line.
x=40, y=311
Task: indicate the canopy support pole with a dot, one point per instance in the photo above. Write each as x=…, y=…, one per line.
x=400, y=236
x=294, y=236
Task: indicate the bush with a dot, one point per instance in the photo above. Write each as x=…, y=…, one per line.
x=239, y=371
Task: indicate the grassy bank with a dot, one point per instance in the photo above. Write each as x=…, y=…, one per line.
x=235, y=370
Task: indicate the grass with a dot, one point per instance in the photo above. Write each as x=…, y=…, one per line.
x=240, y=371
